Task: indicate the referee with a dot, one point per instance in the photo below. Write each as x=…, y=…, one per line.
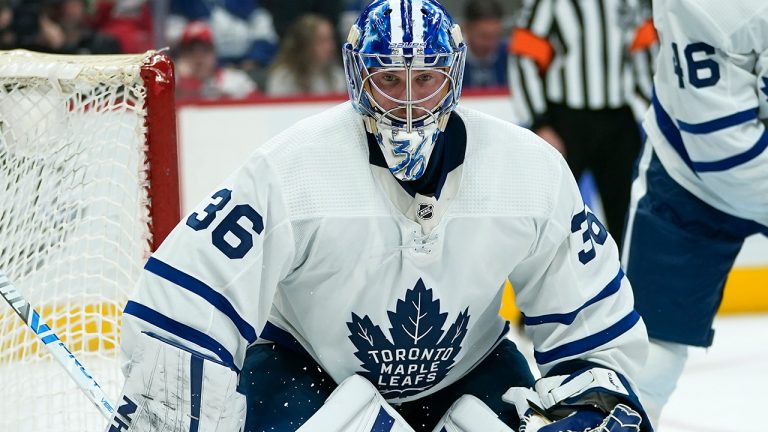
x=576, y=67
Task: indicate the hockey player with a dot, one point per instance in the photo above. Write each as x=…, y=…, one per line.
x=702, y=183
x=368, y=246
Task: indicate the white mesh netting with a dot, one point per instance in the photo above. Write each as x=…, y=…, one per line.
x=74, y=226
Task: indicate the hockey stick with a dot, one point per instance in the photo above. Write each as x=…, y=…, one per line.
x=66, y=359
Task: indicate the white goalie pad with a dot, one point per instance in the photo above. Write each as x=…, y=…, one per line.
x=170, y=389
x=470, y=414
x=355, y=406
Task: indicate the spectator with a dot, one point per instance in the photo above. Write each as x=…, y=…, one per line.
x=7, y=37
x=198, y=74
x=307, y=62
x=128, y=21
x=80, y=37
x=486, y=64
x=58, y=26
x=284, y=15
x=243, y=33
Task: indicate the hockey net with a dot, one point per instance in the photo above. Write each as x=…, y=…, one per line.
x=87, y=185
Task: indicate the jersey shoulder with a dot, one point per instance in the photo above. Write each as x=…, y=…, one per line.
x=509, y=166
x=321, y=164
x=314, y=133
x=735, y=27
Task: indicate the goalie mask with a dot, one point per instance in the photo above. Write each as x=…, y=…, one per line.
x=404, y=61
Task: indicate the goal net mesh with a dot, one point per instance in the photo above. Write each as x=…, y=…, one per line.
x=74, y=225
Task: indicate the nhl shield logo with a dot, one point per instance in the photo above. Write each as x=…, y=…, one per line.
x=425, y=211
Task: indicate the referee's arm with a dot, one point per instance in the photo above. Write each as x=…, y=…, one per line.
x=644, y=48
x=530, y=54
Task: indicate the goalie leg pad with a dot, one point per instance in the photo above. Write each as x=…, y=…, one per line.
x=470, y=414
x=172, y=389
x=355, y=406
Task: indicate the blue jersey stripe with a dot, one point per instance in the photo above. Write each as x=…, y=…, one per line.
x=198, y=287
x=282, y=338
x=196, y=392
x=671, y=132
x=719, y=123
x=568, y=318
x=384, y=421
x=733, y=161
x=181, y=330
x=588, y=343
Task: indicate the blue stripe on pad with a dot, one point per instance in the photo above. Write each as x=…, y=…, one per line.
x=384, y=421
x=196, y=392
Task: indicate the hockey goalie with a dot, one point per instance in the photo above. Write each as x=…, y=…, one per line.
x=348, y=276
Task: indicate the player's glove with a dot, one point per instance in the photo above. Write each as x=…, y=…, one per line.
x=594, y=399
x=621, y=419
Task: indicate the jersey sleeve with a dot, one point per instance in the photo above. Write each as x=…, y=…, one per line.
x=711, y=91
x=577, y=304
x=530, y=54
x=210, y=285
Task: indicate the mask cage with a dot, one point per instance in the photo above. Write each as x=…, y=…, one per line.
x=361, y=67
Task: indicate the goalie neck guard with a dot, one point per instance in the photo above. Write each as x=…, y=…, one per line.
x=404, y=62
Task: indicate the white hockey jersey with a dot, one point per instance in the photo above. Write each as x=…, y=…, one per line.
x=707, y=119
x=310, y=240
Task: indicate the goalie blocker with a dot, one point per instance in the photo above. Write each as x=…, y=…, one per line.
x=172, y=388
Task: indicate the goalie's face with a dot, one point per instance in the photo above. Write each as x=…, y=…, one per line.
x=407, y=96
x=404, y=61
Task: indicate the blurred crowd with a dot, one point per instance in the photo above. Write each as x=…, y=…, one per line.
x=239, y=48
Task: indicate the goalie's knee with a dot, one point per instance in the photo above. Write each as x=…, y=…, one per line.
x=470, y=414
x=355, y=405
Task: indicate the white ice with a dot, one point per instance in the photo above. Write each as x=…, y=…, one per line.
x=723, y=388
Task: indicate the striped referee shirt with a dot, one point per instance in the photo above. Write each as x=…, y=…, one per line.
x=584, y=54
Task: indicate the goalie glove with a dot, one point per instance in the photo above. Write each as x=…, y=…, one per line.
x=621, y=419
x=170, y=388
x=592, y=399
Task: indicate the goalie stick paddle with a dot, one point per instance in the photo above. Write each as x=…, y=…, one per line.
x=66, y=359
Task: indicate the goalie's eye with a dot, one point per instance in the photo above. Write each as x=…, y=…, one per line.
x=389, y=78
x=425, y=77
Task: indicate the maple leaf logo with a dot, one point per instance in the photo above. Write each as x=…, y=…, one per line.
x=420, y=353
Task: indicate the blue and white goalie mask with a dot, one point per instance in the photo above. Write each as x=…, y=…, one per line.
x=404, y=61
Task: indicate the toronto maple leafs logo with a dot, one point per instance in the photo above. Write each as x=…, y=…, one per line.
x=419, y=354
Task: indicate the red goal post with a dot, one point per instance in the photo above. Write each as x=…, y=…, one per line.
x=88, y=188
